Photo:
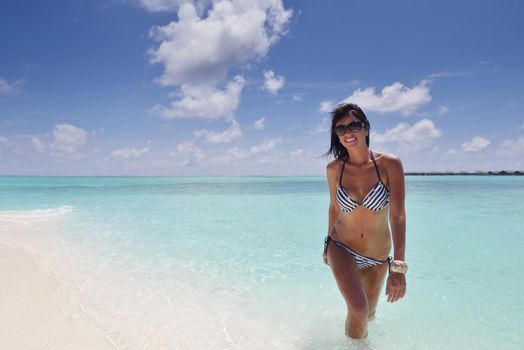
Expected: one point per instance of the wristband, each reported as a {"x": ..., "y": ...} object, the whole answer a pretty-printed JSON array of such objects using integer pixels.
[{"x": 398, "y": 266}]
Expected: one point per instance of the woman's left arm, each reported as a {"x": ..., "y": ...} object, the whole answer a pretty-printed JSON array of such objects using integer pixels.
[{"x": 396, "y": 284}]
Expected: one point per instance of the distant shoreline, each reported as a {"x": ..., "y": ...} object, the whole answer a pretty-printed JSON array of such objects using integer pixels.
[
  {"x": 409, "y": 173},
  {"x": 477, "y": 173}
]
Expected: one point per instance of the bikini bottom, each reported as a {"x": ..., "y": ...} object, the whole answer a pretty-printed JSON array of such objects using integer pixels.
[{"x": 361, "y": 260}]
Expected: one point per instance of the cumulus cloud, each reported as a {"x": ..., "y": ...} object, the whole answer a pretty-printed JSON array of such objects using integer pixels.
[
  {"x": 296, "y": 97},
  {"x": 323, "y": 127},
  {"x": 201, "y": 50},
  {"x": 513, "y": 147},
  {"x": 409, "y": 137},
  {"x": 131, "y": 152},
  {"x": 265, "y": 146},
  {"x": 4, "y": 141},
  {"x": 442, "y": 109},
  {"x": 168, "y": 5},
  {"x": 10, "y": 88},
  {"x": 272, "y": 83},
  {"x": 194, "y": 155},
  {"x": 259, "y": 124},
  {"x": 67, "y": 139},
  {"x": 228, "y": 135},
  {"x": 205, "y": 102},
  {"x": 38, "y": 144},
  {"x": 297, "y": 153},
  {"x": 395, "y": 98},
  {"x": 476, "y": 144},
  {"x": 326, "y": 107},
  {"x": 449, "y": 74},
  {"x": 232, "y": 155}
]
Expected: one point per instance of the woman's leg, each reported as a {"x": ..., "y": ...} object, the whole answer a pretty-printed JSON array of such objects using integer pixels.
[
  {"x": 348, "y": 280},
  {"x": 373, "y": 279}
]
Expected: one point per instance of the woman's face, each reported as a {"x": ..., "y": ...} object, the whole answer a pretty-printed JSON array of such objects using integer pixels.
[{"x": 352, "y": 139}]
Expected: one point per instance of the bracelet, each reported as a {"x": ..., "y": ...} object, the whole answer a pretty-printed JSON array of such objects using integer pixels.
[{"x": 398, "y": 266}]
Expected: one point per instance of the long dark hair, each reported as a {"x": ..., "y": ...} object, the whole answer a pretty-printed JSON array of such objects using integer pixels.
[{"x": 342, "y": 110}]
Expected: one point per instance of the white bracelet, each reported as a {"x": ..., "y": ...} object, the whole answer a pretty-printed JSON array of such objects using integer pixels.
[{"x": 398, "y": 266}]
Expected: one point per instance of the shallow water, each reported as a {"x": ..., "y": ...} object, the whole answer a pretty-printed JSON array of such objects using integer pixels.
[{"x": 235, "y": 262}]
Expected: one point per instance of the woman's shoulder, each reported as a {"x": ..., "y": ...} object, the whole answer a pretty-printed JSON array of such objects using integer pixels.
[
  {"x": 386, "y": 157},
  {"x": 333, "y": 167},
  {"x": 335, "y": 163},
  {"x": 388, "y": 160}
]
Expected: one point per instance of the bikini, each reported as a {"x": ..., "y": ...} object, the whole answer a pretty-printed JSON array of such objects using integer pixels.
[{"x": 376, "y": 200}]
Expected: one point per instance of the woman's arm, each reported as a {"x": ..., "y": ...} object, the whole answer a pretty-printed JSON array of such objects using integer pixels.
[
  {"x": 396, "y": 284},
  {"x": 332, "y": 171},
  {"x": 334, "y": 209},
  {"x": 397, "y": 212}
]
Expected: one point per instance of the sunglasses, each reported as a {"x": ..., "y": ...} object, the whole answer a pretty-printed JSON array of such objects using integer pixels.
[{"x": 355, "y": 126}]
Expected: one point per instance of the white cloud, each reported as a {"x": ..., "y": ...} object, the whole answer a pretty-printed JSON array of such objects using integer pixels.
[
  {"x": 512, "y": 147},
  {"x": 323, "y": 127},
  {"x": 326, "y": 107},
  {"x": 476, "y": 144},
  {"x": 232, "y": 155},
  {"x": 205, "y": 102},
  {"x": 442, "y": 109},
  {"x": 67, "y": 139},
  {"x": 395, "y": 98},
  {"x": 409, "y": 137},
  {"x": 449, "y": 74},
  {"x": 128, "y": 152},
  {"x": 265, "y": 146},
  {"x": 259, "y": 124},
  {"x": 297, "y": 97},
  {"x": 296, "y": 153},
  {"x": 228, "y": 135},
  {"x": 10, "y": 88},
  {"x": 38, "y": 144},
  {"x": 201, "y": 50},
  {"x": 167, "y": 5},
  {"x": 194, "y": 155},
  {"x": 4, "y": 141},
  {"x": 272, "y": 83}
]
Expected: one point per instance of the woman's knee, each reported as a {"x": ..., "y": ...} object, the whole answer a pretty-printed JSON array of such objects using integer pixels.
[{"x": 359, "y": 309}]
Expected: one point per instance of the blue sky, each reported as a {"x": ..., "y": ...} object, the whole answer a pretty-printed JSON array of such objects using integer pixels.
[{"x": 205, "y": 87}]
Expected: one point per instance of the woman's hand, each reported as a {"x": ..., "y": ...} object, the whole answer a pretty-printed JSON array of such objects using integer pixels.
[
  {"x": 324, "y": 256},
  {"x": 395, "y": 286}
]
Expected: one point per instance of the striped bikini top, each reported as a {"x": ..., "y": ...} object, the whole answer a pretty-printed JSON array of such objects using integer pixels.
[{"x": 375, "y": 200}]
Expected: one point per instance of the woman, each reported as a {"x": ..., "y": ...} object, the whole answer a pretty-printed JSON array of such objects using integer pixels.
[{"x": 363, "y": 185}]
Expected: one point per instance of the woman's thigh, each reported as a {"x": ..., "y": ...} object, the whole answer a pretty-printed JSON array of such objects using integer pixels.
[
  {"x": 347, "y": 276},
  {"x": 372, "y": 280}
]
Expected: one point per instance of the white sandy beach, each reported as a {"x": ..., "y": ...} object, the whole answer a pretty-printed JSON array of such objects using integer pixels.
[{"x": 28, "y": 317}]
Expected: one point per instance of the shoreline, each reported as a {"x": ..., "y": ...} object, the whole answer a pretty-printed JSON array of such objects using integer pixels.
[
  {"x": 29, "y": 318},
  {"x": 408, "y": 173}
]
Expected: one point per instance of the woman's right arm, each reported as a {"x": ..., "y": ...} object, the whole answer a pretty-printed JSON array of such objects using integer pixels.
[{"x": 332, "y": 172}]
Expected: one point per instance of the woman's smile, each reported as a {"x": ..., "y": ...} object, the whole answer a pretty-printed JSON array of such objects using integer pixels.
[{"x": 350, "y": 139}]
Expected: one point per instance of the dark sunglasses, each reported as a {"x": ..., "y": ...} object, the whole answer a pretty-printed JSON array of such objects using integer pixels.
[{"x": 355, "y": 126}]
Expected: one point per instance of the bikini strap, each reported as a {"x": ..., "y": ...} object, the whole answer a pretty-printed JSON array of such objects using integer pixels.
[
  {"x": 342, "y": 171},
  {"x": 376, "y": 167}
]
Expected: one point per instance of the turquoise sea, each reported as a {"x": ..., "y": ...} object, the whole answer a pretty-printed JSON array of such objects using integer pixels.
[{"x": 235, "y": 262}]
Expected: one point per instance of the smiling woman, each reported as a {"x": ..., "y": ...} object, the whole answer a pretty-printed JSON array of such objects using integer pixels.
[{"x": 358, "y": 219}]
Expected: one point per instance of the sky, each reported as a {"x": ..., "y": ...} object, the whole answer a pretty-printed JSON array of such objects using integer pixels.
[{"x": 245, "y": 87}]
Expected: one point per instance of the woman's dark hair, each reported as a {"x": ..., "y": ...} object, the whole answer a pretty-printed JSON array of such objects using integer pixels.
[{"x": 342, "y": 110}]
